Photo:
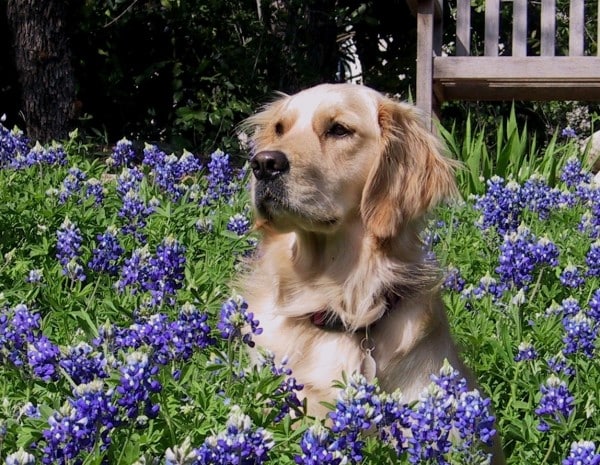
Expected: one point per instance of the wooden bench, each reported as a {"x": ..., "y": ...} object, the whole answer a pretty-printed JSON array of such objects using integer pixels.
[{"x": 539, "y": 75}]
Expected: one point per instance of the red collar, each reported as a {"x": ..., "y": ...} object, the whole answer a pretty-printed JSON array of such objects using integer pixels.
[{"x": 328, "y": 320}]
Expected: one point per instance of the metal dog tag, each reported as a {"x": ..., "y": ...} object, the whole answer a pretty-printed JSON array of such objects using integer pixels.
[{"x": 368, "y": 366}]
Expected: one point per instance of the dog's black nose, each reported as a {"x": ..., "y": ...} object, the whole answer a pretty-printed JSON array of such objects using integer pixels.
[{"x": 269, "y": 164}]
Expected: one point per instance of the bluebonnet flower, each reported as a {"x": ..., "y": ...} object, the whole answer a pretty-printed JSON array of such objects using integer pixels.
[
  {"x": 318, "y": 448},
  {"x": 95, "y": 189},
  {"x": 520, "y": 254},
  {"x": 167, "y": 267},
  {"x": 30, "y": 410},
  {"x": 570, "y": 307},
  {"x": 539, "y": 197},
  {"x": 33, "y": 157},
  {"x": 581, "y": 334},
  {"x": 167, "y": 177},
  {"x": 238, "y": 224},
  {"x": 518, "y": 298},
  {"x": 219, "y": 178},
  {"x": 161, "y": 274},
  {"x": 590, "y": 222},
  {"x": 19, "y": 327},
  {"x": 236, "y": 322},
  {"x": 129, "y": 180},
  {"x": 34, "y": 276},
  {"x": 582, "y": 453},
  {"x": 153, "y": 156},
  {"x": 568, "y": 132},
  {"x": 190, "y": 332},
  {"x": 587, "y": 192},
  {"x": 81, "y": 425},
  {"x": 170, "y": 172},
  {"x": 43, "y": 357},
  {"x": 573, "y": 173},
  {"x": 516, "y": 261},
  {"x": 594, "y": 310},
  {"x": 487, "y": 286},
  {"x": 453, "y": 280},
  {"x": 163, "y": 340},
  {"x": 83, "y": 364},
  {"x": 68, "y": 248},
  {"x": 559, "y": 365},
  {"x": 431, "y": 420},
  {"x": 285, "y": 396},
  {"x": 592, "y": 259},
  {"x": 134, "y": 212},
  {"x": 501, "y": 206},
  {"x": 545, "y": 252},
  {"x": 396, "y": 421},
  {"x": 122, "y": 154},
  {"x": 72, "y": 184},
  {"x": 556, "y": 402},
  {"x": 571, "y": 278},
  {"x": 53, "y": 155},
  {"x": 188, "y": 164},
  {"x": 107, "y": 253},
  {"x": 12, "y": 143},
  {"x": 526, "y": 351},
  {"x": 20, "y": 458},
  {"x": 38, "y": 155},
  {"x": 239, "y": 443},
  {"x": 136, "y": 386},
  {"x": 152, "y": 335},
  {"x": 473, "y": 421},
  {"x": 357, "y": 409},
  {"x": 447, "y": 405},
  {"x": 74, "y": 270},
  {"x": 135, "y": 271}
]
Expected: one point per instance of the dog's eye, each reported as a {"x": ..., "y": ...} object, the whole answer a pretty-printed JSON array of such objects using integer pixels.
[
  {"x": 279, "y": 129},
  {"x": 338, "y": 130}
]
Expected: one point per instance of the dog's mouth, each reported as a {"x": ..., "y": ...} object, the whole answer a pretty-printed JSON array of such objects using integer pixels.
[
  {"x": 270, "y": 198},
  {"x": 273, "y": 204}
]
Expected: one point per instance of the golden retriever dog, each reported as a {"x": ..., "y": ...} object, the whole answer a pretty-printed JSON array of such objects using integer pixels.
[{"x": 343, "y": 179}]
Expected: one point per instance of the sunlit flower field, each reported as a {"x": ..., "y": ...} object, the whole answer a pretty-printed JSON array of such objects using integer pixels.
[{"x": 123, "y": 341}]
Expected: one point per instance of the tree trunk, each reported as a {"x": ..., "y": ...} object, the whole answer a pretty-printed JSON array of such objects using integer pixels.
[{"x": 43, "y": 61}]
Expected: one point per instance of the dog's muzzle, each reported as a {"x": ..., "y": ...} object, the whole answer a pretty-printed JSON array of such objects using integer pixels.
[{"x": 268, "y": 167}]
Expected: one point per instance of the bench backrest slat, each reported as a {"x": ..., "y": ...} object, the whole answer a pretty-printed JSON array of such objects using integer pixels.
[
  {"x": 576, "y": 28},
  {"x": 463, "y": 28},
  {"x": 520, "y": 34},
  {"x": 519, "y": 47},
  {"x": 548, "y": 21},
  {"x": 492, "y": 27}
]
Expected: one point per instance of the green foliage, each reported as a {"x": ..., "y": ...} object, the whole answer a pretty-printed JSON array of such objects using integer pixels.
[
  {"x": 489, "y": 331},
  {"x": 198, "y": 394},
  {"x": 513, "y": 153}
]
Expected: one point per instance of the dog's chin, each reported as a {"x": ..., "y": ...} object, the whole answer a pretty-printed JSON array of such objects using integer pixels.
[{"x": 285, "y": 218}]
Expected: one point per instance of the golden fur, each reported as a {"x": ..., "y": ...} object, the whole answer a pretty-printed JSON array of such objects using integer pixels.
[{"x": 340, "y": 229}]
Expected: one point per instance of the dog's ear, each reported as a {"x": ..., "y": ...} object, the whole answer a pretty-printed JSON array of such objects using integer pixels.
[{"x": 410, "y": 176}]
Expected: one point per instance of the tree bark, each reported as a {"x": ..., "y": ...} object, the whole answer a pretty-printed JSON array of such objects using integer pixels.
[{"x": 43, "y": 61}]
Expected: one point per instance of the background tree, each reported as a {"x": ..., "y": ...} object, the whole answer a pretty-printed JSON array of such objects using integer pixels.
[
  {"x": 185, "y": 72},
  {"x": 43, "y": 63}
]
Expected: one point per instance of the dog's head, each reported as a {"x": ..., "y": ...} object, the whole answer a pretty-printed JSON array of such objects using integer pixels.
[{"x": 337, "y": 153}]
